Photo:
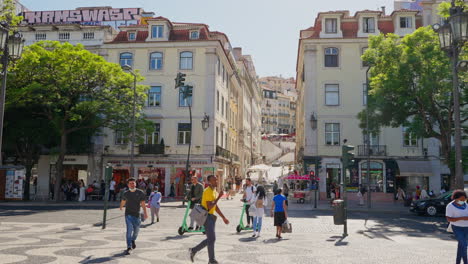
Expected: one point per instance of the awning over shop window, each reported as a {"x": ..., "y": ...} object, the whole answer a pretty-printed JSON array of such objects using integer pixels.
[{"x": 415, "y": 168}]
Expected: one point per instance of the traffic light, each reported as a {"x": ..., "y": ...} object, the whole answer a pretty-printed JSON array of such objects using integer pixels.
[
  {"x": 347, "y": 155},
  {"x": 180, "y": 79},
  {"x": 319, "y": 164},
  {"x": 188, "y": 91}
]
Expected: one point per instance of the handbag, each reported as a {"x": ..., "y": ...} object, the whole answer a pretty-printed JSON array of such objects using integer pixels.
[
  {"x": 199, "y": 214},
  {"x": 286, "y": 227},
  {"x": 252, "y": 209},
  {"x": 449, "y": 228}
]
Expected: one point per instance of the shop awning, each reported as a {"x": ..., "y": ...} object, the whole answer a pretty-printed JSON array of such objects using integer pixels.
[{"x": 410, "y": 168}]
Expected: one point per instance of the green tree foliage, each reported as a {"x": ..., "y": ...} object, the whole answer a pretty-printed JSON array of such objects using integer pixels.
[
  {"x": 75, "y": 90},
  {"x": 410, "y": 85},
  {"x": 8, "y": 13}
]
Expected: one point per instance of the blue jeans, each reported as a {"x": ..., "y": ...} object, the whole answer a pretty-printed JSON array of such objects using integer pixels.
[
  {"x": 461, "y": 234},
  {"x": 133, "y": 227},
  {"x": 257, "y": 223},
  {"x": 210, "y": 238}
]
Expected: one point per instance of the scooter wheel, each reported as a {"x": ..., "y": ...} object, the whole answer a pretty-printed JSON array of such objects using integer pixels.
[
  {"x": 238, "y": 229},
  {"x": 181, "y": 231}
]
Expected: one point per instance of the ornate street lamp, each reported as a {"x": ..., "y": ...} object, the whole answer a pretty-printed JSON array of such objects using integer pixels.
[
  {"x": 452, "y": 35},
  {"x": 12, "y": 48},
  {"x": 313, "y": 121},
  {"x": 205, "y": 122}
]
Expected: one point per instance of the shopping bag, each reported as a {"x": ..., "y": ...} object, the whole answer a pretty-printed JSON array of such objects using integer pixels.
[
  {"x": 449, "y": 228},
  {"x": 199, "y": 214},
  {"x": 252, "y": 209},
  {"x": 287, "y": 227}
]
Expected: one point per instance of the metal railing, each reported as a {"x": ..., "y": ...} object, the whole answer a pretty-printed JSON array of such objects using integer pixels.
[
  {"x": 374, "y": 150},
  {"x": 220, "y": 152}
]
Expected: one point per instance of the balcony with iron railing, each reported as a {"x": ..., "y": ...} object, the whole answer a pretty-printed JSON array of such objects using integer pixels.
[
  {"x": 151, "y": 149},
  {"x": 374, "y": 150},
  {"x": 220, "y": 152}
]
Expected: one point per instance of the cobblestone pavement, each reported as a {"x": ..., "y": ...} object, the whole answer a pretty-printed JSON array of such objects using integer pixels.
[{"x": 75, "y": 236}]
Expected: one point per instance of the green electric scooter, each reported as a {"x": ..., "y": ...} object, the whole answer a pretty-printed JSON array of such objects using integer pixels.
[
  {"x": 185, "y": 228},
  {"x": 241, "y": 226}
]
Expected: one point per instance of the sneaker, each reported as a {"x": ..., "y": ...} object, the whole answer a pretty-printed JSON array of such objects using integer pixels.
[
  {"x": 191, "y": 255},
  {"x": 213, "y": 262},
  {"x": 133, "y": 244},
  {"x": 157, "y": 219},
  {"x": 127, "y": 252}
]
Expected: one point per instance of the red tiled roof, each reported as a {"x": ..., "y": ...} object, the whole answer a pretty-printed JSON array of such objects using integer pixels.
[
  {"x": 386, "y": 27},
  {"x": 349, "y": 29},
  {"x": 123, "y": 37}
]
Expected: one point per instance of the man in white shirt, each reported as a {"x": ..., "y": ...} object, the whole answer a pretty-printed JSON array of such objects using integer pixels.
[
  {"x": 112, "y": 190},
  {"x": 249, "y": 194}
]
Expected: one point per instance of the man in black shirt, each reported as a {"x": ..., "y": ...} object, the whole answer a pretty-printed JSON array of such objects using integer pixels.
[{"x": 133, "y": 200}]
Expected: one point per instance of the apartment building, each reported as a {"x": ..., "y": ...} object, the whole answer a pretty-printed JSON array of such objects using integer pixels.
[
  {"x": 225, "y": 94},
  {"x": 331, "y": 86}
]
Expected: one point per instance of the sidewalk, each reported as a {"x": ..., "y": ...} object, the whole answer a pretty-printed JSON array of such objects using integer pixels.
[{"x": 352, "y": 206}]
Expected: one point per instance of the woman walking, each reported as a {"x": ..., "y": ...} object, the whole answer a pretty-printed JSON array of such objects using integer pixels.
[
  {"x": 82, "y": 196},
  {"x": 457, "y": 215},
  {"x": 260, "y": 203},
  {"x": 278, "y": 211},
  {"x": 155, "y": 204}
]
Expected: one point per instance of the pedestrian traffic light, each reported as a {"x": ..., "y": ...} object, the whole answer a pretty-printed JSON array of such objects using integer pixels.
[
  {"x": 347, "y": 155},
  {"x": 180, "y": 79}
]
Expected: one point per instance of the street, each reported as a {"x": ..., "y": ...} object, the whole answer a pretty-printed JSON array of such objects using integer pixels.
[{"x": 56, "y": 234}]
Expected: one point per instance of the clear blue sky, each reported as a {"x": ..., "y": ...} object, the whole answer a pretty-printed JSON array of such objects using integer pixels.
[{"x": 266, "y": 29}]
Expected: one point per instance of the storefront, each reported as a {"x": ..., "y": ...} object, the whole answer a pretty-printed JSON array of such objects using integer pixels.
[{"x": 414, "y": 173}]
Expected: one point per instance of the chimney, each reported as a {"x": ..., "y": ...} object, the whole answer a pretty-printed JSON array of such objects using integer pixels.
[
  {"x": 237, "y": 52},
  {"x": 383, "y": 10}
]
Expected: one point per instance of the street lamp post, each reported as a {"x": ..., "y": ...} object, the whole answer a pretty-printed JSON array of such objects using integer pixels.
[
  {"x": 12, "y": 48},
  {"x": 132, "y": 139},
  {"x": 367, "y": 141},
  {"x": 452, "y": 36}
]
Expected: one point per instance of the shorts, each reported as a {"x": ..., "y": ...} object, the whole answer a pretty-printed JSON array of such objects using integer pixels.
[{"x": 279, "y": 218}]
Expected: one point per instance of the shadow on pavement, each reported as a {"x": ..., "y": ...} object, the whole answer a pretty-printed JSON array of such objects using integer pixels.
[
  {"x": 274, "y": 240},
  {"x": 173, "y": 238},
  {"x": 247, "y": 239},
  {"x": 89, "y": 259}
]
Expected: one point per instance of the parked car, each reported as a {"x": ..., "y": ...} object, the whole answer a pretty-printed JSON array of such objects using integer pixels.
[{"x": 432, "y": 206}]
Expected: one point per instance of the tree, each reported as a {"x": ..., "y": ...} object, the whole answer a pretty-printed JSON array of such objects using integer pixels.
[
  {"x": 75, "y": 90},
  {"x": 410, "y": 86}
]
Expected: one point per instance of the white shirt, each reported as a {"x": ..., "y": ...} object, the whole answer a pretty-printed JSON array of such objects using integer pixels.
[
  {"x": 249, "y": 193},
  {"x": 112, "y": 185},
  {"x": 455, "y": 212}
]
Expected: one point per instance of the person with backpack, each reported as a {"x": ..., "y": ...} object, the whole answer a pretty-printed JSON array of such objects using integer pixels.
[
  {"x": 210, "y": 200},
  {"x": 260, "y": 203},
  {"x": 249, "y": 195},
  {"x": 194, "y": 196}
]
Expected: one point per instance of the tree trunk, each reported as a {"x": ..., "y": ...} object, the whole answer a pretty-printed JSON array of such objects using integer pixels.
[
  {"x": 59, "y": 167},
  {"x": 27, "y": 181}
]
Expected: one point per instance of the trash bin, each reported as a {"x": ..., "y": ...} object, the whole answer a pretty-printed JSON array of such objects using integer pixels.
[{"x": 338, "y": 212}]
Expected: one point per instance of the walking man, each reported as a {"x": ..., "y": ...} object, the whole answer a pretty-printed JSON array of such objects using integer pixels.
[
  {"x": 210, "y": 199},
  {"x": 194, "y": 196},
  {"x": 249, "y": 194},
  {"x": 133, "y": 200}
]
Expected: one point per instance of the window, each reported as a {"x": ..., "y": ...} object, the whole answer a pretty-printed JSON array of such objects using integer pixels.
[
  {"x": 364, "y": 94},
  {"x": 157, "y": 31},
  {"x": 186, "y": 60},
  {"x": 409, "y": 138},
  {"x": 217, "y": 101},
  {"x": 406, "y": 22},
  {"x": 41, "y": 36},
  {"x": 331, "y": 25},
  {"x": 88, "y": 35},
  {"x": 374, "y": 139},
  {"x": 227, "y": 109},
  {"x": 223, "y": 73},
  {"x": 222, "y": 105},
  {"x": 184, "y": 133},
  {"x": 154, "y": 137},
  {"x": 194, "y": 35},
  {"x": 120, "y": 138},
  {"x": 332, "y": 94},
  {"x": 185, "y": 101},
  {"x": 225, "y": 140},
  {"x": 64, "y": 36},
  {"x": 368, "y": 25},
  {"x": 364, "y": 63},
  {"x": 221, "y": 141},
  {"x": 217, "y": 136},
  {"x": 126, "y": 58},
  {"x": 132, "y": 36},
  {"x": 154, "y": 96},
  {"x": 331, "y": 57},
  {"x": 332, "y": 134},
  {"x": 156, "y": 61}
]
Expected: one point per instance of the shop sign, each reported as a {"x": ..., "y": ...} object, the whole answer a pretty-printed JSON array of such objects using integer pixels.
[
  {"x": 94, "y": 15},
  {"x": 159, "y": 162}
]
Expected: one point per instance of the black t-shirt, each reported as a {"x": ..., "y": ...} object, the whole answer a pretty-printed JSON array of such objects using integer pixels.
[{"x": 132, "y": 206}]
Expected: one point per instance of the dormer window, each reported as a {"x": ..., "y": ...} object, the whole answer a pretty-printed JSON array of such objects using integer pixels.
[
  {"x": 132, "y": 36},
  {"x": 331, "y": 25},
  {"x": 194, "y": 34},
  {"x": 157, "y": 31},
  {"x": 368, "y": 25},
  {"x": 406, "y": 22}
]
